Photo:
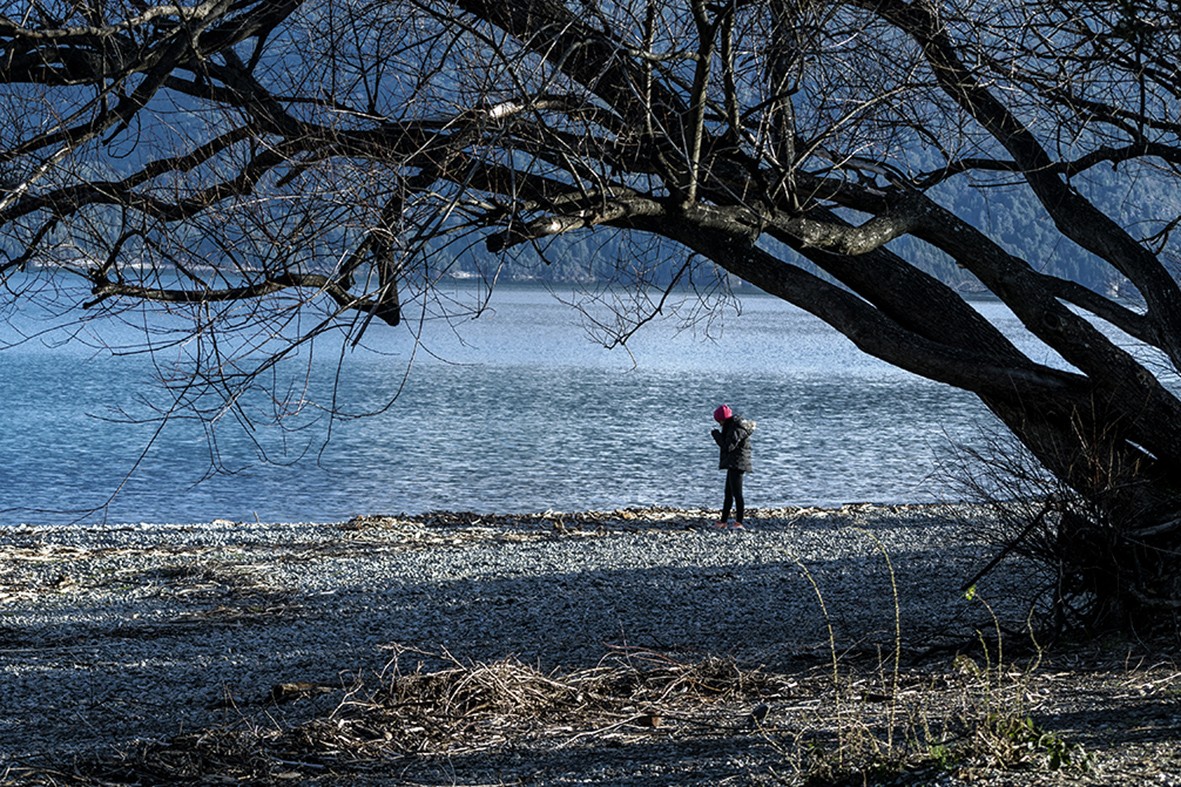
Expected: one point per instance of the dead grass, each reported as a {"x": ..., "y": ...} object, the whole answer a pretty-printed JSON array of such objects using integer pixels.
[{"x": 972, "y": 721}]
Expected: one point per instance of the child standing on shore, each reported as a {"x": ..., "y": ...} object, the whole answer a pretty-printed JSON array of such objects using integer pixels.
[{"x": 733, "y": 439}]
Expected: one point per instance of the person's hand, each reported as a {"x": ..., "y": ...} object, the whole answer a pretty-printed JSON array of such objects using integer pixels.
[{"x": 715, "y": 433}]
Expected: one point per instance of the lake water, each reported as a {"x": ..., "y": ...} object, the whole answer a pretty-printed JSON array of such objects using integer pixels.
[{"x": 516, "y": 411}]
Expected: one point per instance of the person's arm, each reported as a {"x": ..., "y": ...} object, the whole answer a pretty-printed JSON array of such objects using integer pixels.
[{"x": 740, "y": 432}]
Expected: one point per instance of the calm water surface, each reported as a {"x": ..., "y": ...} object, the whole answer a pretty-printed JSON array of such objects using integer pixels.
[{"x": 516, "y": 411}]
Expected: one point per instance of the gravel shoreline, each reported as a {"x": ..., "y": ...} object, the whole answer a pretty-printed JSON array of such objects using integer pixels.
[{"x": 116, "y": 634}]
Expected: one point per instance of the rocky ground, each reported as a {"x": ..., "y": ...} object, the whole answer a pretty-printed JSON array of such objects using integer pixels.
[{"x": 629, "y": 647}]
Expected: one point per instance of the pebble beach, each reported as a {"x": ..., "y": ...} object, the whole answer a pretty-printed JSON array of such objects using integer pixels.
[{"x": 112, "y": 635}]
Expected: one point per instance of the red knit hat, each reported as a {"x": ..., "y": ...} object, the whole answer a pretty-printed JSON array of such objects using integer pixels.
[{"x": 722, "y": 413}]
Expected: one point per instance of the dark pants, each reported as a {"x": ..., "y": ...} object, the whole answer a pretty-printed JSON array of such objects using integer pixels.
[{"x": 733, "y": 495}]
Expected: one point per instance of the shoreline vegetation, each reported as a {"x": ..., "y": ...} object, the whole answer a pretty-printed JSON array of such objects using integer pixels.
[{"x": 822, "y": 646}]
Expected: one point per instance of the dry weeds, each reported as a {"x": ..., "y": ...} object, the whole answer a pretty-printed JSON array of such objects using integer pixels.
[{"x": 506, "y": 722}]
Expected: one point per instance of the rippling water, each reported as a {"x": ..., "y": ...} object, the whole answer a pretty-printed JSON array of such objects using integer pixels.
[{"x": 522, "y": 412}]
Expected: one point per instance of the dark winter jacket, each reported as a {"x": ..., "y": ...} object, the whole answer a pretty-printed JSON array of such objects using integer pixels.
[{"x": 734, "y": 442}]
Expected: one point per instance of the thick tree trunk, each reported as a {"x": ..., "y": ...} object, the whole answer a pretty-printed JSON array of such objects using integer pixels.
[{"x": 1116, "y": 555}]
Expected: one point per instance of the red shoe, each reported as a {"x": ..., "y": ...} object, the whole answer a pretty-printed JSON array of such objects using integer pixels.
[
  {"x": 720, "y": 525},
  {"x": 738, "y": 526}
]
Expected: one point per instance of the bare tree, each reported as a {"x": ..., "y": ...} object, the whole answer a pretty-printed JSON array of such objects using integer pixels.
[{"x": 252, "y": 160}]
